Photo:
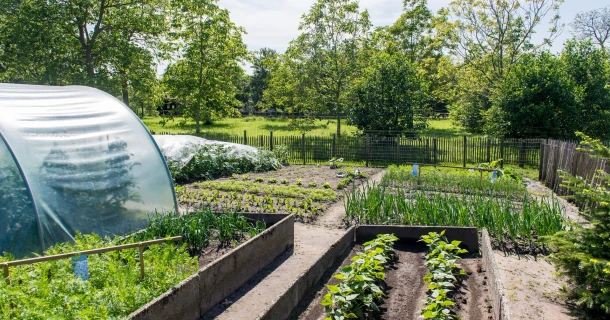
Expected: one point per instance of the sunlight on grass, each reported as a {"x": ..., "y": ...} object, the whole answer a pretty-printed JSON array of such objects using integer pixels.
[{"x": 253, "y": 126}]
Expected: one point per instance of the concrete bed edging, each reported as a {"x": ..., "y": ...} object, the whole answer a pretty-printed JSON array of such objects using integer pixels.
[
  {"x": 281, "y": 308},
  {"x": 217, "y": 280},
  {"x": 499, "y": 302},
  {"x": 284, "y": 304}
]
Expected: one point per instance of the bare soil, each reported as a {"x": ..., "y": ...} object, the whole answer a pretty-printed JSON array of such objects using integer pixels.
[
  {"x": 533, "y": 291},
  {"x": 405, "y": 288}
]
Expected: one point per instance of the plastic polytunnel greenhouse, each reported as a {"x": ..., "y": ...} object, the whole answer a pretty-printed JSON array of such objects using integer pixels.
[{"x": 74, "y": 159}]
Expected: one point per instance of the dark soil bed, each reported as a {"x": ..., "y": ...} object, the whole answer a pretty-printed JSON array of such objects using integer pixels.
[{"x": 406, "y": 289}]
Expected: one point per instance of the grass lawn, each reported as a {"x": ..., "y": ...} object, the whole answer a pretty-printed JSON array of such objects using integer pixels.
[
  {"x": 253, "y": 126},
  {"x": 283, "y": 127}
]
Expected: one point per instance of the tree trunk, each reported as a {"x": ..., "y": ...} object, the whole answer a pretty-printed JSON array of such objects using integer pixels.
[
  {"x": 338, "y": 124},
  {"x": 125, "y": 87}
]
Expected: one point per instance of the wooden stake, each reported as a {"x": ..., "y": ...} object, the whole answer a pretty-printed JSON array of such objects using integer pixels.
[
  {"x": 140, "y": 248},
  {"x": 6, "y": 273}
]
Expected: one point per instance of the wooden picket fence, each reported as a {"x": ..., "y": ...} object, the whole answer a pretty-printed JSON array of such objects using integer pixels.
[
  {"x": 563, "y": 156},
  {"x": 378, "y": 150}
]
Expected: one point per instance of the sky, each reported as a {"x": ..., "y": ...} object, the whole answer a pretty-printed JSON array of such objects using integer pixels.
[{"x": 274, "y": 23}]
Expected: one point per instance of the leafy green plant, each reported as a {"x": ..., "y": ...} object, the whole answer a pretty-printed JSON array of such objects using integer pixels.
[
  {"x": 272, "y": 180},
  {"x": 326, "y": 185},
  {"x": 245, "y": 177},
  {"x": 313, "y": 183},
  {"x": 359, "y": 290},
  {"x": 284, "y": 182},
  {"x": 282, "y": 153},
  {"x": 299, "y": 182},
  {"x": 441, "y": 261},
  {"x": 259, "y": 179},
  {"x": 344, "y": 183},
  {"x": 583, "y": 253},
  {"x": 335, "y": 163},
  {"x": 213, "y": 161}
]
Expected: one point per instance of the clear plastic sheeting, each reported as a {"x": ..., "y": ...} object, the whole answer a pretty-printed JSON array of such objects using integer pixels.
[
  {"x": 74, "y": 159},
  {"x": 181, "y": 149}
]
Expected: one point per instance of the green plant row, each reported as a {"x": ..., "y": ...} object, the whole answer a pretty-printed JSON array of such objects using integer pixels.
[
  {"x": 218, "y": 201},
  {"x": 115, "y": 289},
  {"x": 503, "y": 217},
  {"x": 457, "y": 181},
  {"x": 359, "y": 290},
  {"x": 213, "y": 161},
  {"x": 200, "y": 227},
  {"x": 317, "y": 194},
  {"x": 441, "y": 261}
]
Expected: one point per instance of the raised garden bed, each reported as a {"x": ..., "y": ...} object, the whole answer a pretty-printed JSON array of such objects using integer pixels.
[
  {"x": 218, "y": 279},
  {"x": 405, "y": 285},
  {"x": 305, "y": 191}
]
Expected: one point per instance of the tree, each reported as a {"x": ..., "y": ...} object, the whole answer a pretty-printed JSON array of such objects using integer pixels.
[
  {"x": 490, "y": 38},
  {"x": 413, "y": 32},
  {"x": 537, "y": 99},
  {"x": 324, "y": 58},
  {"x": 206, "y": 76},
  {"x": 390, "y": 95},
  {"x": 589, "y": 69},
  {"x": 593, "y": 25},
  {"x": 263, "y": 64},
  {"x": 107, "y": 44}
]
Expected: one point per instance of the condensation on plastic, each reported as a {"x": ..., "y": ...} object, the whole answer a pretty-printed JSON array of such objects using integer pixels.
[
  {"x": 89, "y": 165},
  {"x": 180, "y": 149}
]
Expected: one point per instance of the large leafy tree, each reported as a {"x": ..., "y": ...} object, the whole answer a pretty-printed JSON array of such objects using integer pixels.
[
  {"x": 323, "y": 62},
  {"x": 589, "y": 68},
  {"x": 536, "y": 99},
  {"x": 263, "y": 64},
  {"x": 490, "y": 37},
  {"x": 206, "y": 75},
  {"x": 390, "y": 95},
  {"x": 108, "y": 44}
]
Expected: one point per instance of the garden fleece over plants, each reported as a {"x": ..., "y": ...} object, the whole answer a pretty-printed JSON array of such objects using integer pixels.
[{"x": 74, "y": 159}]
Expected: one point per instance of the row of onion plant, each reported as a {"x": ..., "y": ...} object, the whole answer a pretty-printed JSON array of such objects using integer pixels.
[{"x": 503, "y": 217}]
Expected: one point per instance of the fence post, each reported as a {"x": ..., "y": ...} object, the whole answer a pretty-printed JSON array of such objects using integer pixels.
[
  {"x": 334, "y": 147},
  {"x": 488, "y": 150},
  {"x": 245, "y": 138},
  {"x": 465, "y": 150},
  {"x": 6, "y": 273},
  {"x": 502, "y": 153},
  {"x": 521, "y": 154},
  {"x": 271, "y": 140},
  {"x": 303, "y": 148},
  {"x": 367, "y": 149},
  {"x": 541, "y": 160},
  {"x": 435, "y": 148}
]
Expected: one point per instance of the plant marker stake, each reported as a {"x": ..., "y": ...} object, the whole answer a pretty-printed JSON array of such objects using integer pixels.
[
  {"x": 141, "y": 259},
  {"x": 6, "y": 274},
  {"x": 493, "y": 176}
]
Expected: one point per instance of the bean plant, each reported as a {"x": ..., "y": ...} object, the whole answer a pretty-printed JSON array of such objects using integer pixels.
[{"x": 359, "y": 291}]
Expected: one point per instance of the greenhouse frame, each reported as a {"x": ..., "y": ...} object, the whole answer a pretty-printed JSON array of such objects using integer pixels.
[{"x": 74, "y": 159}]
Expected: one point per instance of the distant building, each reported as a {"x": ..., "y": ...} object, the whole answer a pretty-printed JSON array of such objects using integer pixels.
[{"x": 170, "y": 107}]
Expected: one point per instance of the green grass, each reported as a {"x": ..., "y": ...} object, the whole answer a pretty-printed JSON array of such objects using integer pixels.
[{"x": 253, "y": 125}]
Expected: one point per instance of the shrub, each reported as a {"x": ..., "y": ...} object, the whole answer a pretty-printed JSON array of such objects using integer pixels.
[{"x": 583, "y": 253}]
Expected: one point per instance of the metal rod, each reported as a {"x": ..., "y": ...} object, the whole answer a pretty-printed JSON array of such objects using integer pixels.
[{"x": 93, "y": 251}]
